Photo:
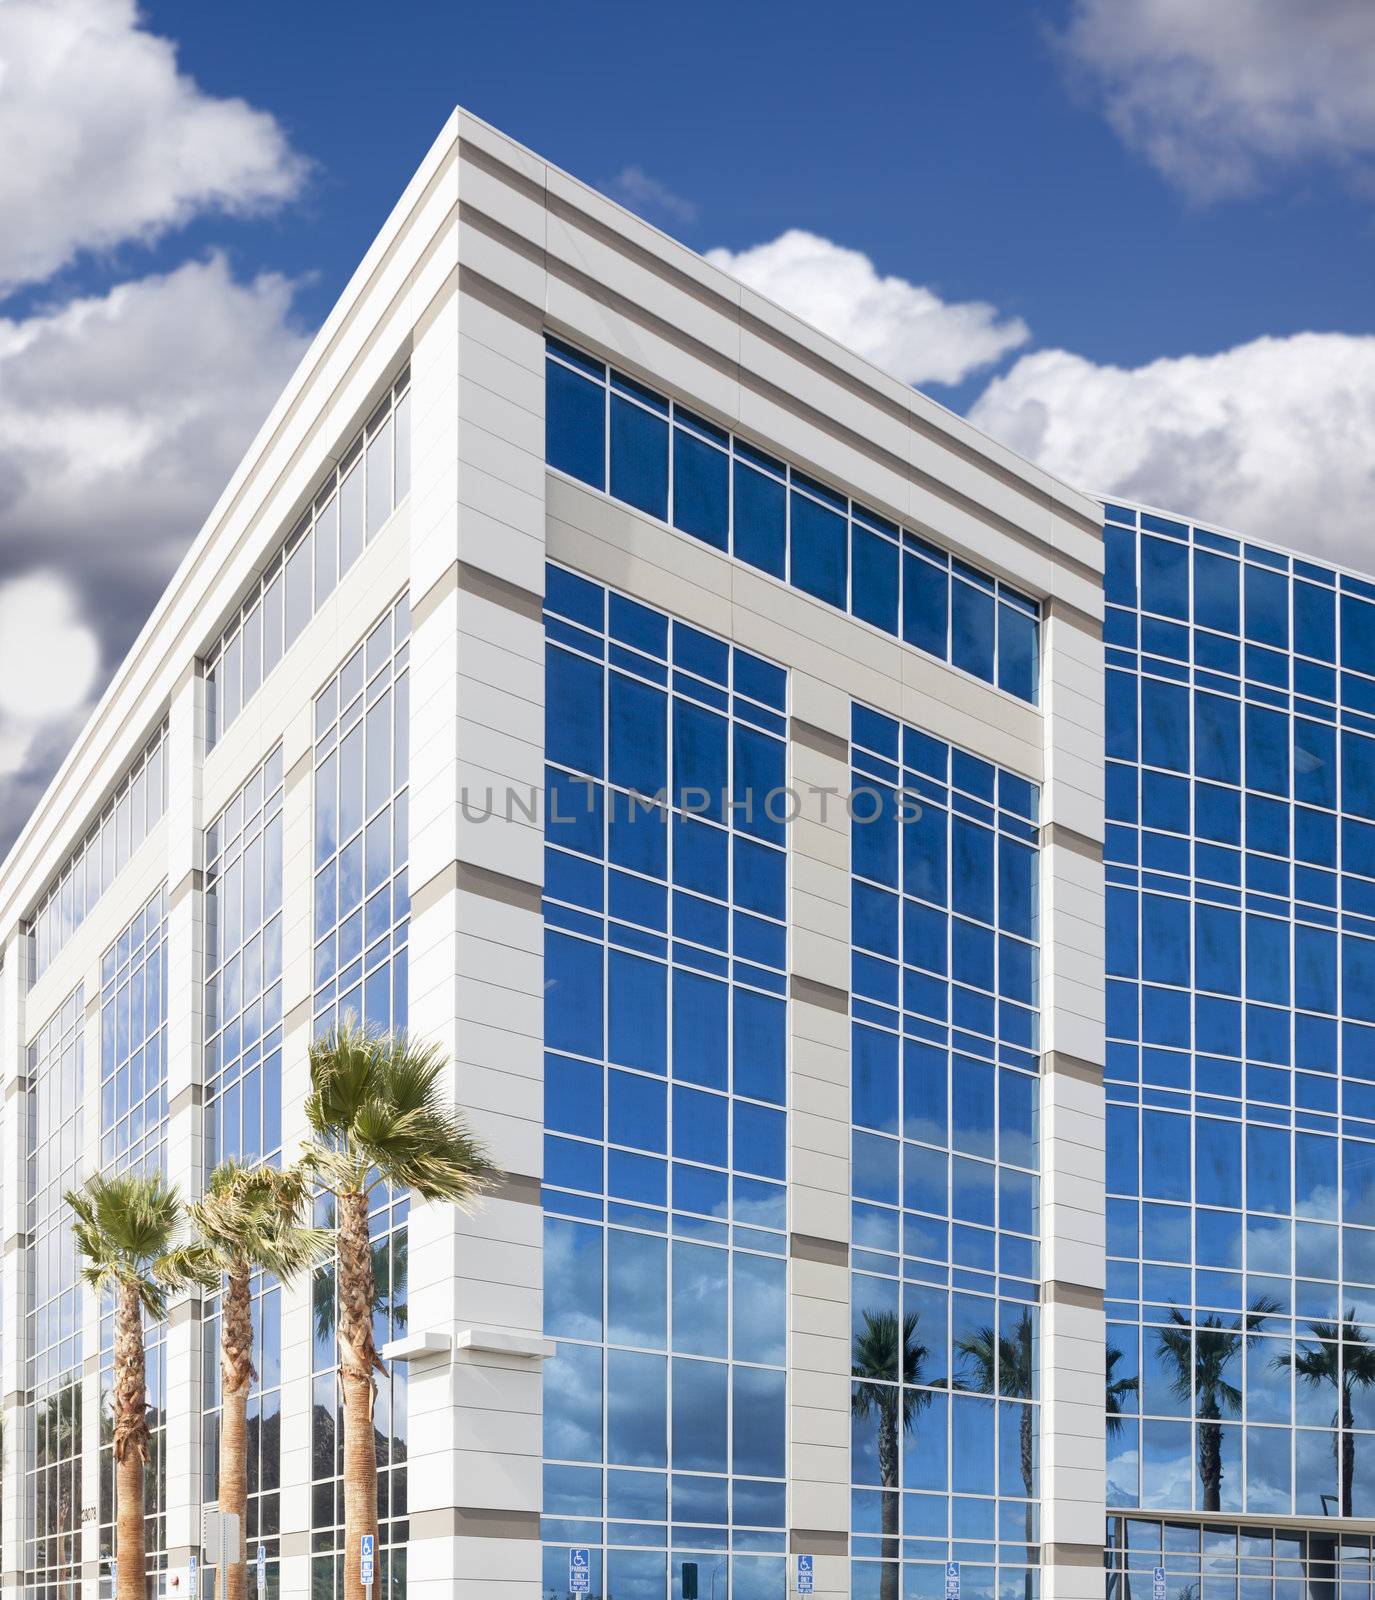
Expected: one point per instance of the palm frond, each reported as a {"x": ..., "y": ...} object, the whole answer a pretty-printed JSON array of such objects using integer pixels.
[{"x": 377, "y": 1114}]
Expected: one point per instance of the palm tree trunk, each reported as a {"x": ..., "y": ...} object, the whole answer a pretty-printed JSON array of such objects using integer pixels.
[
  {"x": 236, "y": 1378},
  {"x": 1348, "y": 1450},
  {"x": 357, "y": 1363},
  {"x": 891, "y": 1512},
  {"x": 1210, "y": 1460},
  {"x": 1028, "y": 1483},
  {"x": 130, "y": 1407}
]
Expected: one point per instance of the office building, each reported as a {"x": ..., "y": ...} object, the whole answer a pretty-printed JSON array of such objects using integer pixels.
[{"x": 701, "y": 736}]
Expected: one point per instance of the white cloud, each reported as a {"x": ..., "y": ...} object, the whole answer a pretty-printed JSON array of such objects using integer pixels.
[
  {"x": 636, "y": 188},
  {"x": 121, "y": 418},
  {"x": 1218, "y": 94},
  {"x": 1272, "y": 438},
  {"x": 48, "y": 654},
  {"x": 105, "y": 141},
  {"x": 903, "y": 327}
]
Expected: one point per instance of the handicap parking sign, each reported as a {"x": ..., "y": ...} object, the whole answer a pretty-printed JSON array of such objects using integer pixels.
[
  {"x": 579, "y": 1570},
  {"x": 952, "y": 1580},
  {"x": 805, "y": 1574}
]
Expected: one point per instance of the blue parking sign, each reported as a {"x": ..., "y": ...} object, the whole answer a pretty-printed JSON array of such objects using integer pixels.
[
  {"x": 806, "y": 1577},
  {"x": 952, "y": 1580},
  {"x": 580, "y": 1570},
  {"x": 1158, "y": 1584}
]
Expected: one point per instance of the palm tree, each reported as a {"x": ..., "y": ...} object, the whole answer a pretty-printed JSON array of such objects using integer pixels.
[
  {"x": 250, "y": 1219},
  {"x": 127, "y": 1228},
  {"x": 377, "y": 1117},
  {"x": 1004, "y": 1364},
  {"x": 879, "y": 1358},
  {"x": 1199, "y": 1354},
  {"x": 1115, "y": 1390},
  {"x": 1344, "y": 1358}
]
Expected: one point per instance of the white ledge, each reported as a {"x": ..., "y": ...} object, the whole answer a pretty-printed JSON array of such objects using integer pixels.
[
  {"x": 500, "y": 1342},
  {"x": 478, "y": 1341},
  {"x": 416, "y": 1347}
]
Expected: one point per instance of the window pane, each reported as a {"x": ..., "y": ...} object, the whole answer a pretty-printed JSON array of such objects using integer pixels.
[
  {"x": 971, "y": 630},
  {"x": 760, "y": 520},
  {"x": 379, "y": 478},
  {"x": 875, "y": 578},
  {"x": 639, "y": 457},
  {"x": 818, "y": 550},
  {"x": 575, "y": 425},
  {"x": 701, "y": 489}
]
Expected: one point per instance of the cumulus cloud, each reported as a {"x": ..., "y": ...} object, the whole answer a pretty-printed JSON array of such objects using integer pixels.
[
  {"x": 105, "y": 141},
  {"x": 1271, "y": 437},
  {"x": 1216, "y": 96},
  {"x": 121, "y": 418},
  {"x": 903, "y": 327},
  {"x": 636, "y": 188}
]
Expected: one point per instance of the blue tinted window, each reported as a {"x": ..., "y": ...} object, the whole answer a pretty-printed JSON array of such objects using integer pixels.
[
  {"x": 1017, "y": 664},
  {"x": 1215, "y": 592},
  {"x": 971, "y": 629},
  {"x": 761, "y": 514},
  {"x": 818, "y": 550},
  {"x": 875, "y": 578},
  {"x": 925, "y": 605},
  {"x": 1164, "y": 724},
  {"x": 1267, "y": 607},
  {"x": 1358, "y": 634},
  {"x": 1165, "y": 577},
  {"x": 1315, "y": 625},
  {"x": 701, "y": 489},
  {"x": 573, "y": 695},
  {"x": 639, "y": 457},
  {"x": 575, "y": 424}
]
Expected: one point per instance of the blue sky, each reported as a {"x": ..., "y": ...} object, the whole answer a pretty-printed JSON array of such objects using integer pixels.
[{"x": 1134, "y": 242}]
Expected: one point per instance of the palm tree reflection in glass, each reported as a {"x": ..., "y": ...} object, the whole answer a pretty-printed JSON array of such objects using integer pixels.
[
  {"x": 1342, "y": 1357},
  {"x": 1201, "y": 1357},
  {"x": 887, "y": 1360},
  {"x": 995, "y": 1363}
]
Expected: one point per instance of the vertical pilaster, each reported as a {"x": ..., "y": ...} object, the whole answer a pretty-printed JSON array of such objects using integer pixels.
[
  {"x": 1073, "y": 1470},
  {"x": 476, "y": 963},
  {"x": 88, "y": 1540},
  {"x": 185, "y": 1081},
  {"x": 14, "y": 1302},
  {"x": 819, "y": 1134},
  {"x": 297, "y": 998}
]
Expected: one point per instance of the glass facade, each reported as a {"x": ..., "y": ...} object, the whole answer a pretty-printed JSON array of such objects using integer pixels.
[
  {"x": 133, "y": 1137},
  {"x": 362, "y": 910},
  {"x": 945, "y": 1339},
  {"x": 652, "y": 453},
  {"x": 133, "y": 1044},
  {"x": 243, "y": 972},
  {"x": 665, "y": 1086},
  {"x": 1241, "y": 1020},
  {"x": 243, "y": 1107},
  {"x": 372, "y": 478},
  {"x": 1220, "y": 1561},
  {"x": 53, "y": 1364},
  {"x": 127, "y": 819}
]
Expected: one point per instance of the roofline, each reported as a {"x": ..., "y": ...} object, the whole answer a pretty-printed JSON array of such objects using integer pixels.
[
  {"x": 65, "y": 810},
  {"x": 1339, "y": 567}
]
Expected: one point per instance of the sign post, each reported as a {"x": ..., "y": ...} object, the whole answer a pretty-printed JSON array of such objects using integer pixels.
[
  {"x": 806, "y": 1574},
  {"x": 952, "y": 1580},
  {"x": 1158, "y": 1584},
  {"x": 365, "y": 1558},
  {"x": 580, "y": 1570}
]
